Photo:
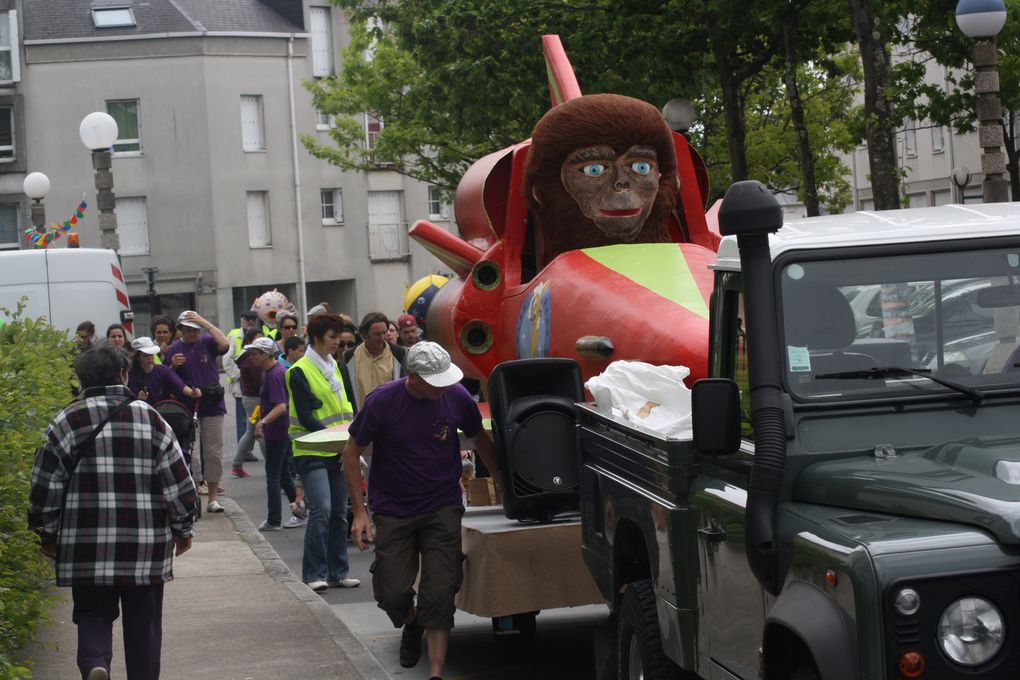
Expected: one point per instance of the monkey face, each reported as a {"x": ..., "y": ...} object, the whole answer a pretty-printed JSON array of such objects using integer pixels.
[{"x": 616, "y": 192}]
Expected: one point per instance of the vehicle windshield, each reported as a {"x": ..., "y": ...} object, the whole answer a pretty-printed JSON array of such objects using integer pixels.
[{"x": 951, "y": 315}]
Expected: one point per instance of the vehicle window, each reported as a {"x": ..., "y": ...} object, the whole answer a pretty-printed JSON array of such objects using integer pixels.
[
  {"x": 740, "y": 375},
  {"x": 954, "y": 315}
]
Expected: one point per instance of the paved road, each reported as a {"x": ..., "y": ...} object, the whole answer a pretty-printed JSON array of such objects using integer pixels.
[{"x": 563, "y": 649}]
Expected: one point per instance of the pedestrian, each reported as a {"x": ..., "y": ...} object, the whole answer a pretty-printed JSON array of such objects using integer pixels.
[
  {"x": 293, "y": 349},
  {"x": 408, "y": 328},
  {"x": 162, "y": 329},
  {"x": 194, "y": 359},
  {"x": 155, "y": 383},
  {"x": 84, "y": 335},
  {"x": 392, "y": 332},
  {"x": 317, "y": 400},
  {"x": 373, "y": 362},
  {"x": 250, "y": 380},
  {"x": 288, "y": 325},
  {"x": 348, "y": 340},
  {"x": 112, "y": 502},
  {"x": 272, "y": 429},
  {"x": 236, "y": 336},
  {"x": 116, "y": 336},
  {"x": 415, "y": 495}
]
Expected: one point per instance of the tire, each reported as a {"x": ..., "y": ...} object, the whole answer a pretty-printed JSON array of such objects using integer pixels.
[
  {"x": 805, "y": 673},
  {"x": 638, "y": 644}
]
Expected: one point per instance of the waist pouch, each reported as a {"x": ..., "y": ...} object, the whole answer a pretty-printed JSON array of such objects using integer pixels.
[{"x": 212, "y": 394}]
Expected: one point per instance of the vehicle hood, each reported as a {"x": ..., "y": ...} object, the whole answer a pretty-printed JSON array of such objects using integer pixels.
[{"x": 974, "y": 482}]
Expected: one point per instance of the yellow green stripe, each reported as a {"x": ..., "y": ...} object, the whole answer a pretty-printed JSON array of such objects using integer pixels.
[
  {"x": 659, "y": 267},
  {"x": 553, "y": 85}
]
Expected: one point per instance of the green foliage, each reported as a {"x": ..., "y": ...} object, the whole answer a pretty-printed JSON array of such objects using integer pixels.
[{"x": 35, "y": 380}]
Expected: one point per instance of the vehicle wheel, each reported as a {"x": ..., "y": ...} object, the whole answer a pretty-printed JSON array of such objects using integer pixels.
[
  {"x": 805, "y": 673},
  {"x": 638, "y": 645}
]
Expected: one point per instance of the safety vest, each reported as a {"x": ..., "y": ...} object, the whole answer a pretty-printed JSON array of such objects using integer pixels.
[
  {"x": 237, "y": 336},
  {"x": 331, "y": 412},
  {"x": 156, "y": 360}
]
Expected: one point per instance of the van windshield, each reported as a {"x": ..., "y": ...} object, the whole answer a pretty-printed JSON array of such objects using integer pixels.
[{"x": 954, "y": 315}]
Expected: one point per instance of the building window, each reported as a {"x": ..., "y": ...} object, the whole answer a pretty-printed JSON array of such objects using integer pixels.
[
  {"x": 910, "y": 139},
  {"x": 938, "y": 139},
  {"x": 112, "y": 17},
  {"x": 373, "y": 126},
  {"x": 917, "y": 200},
  {"x": 10, "y": 64},
  {"x": 6, "y": 133},
  {"x": 438, "y": 210},
  {"x": 259, "y": 233},
  {"x": 941, "y": 197},
  {"x": 332, "y": 201},
  {"x": 324, "y": 121},
  {"x": 129, "y": 129},
  {"x": 132, "y": 226},
  {"x": 322, "y": 42},
  {"x": 253, "y": 136},
  {"x": 9, "y": 225}
]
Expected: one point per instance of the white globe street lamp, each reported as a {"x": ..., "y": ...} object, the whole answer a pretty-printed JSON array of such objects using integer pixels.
[
  {"x": 36, "y": 186},
  {"x": 98, "y": 132},
  {"x": 982, "y": 20}
]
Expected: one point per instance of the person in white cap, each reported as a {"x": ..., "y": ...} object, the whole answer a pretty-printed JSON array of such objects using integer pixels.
[
  {"x": 415, "y": 495},
  {"x": 152, "y": 382},
  {"x": 193, "y": 357}
]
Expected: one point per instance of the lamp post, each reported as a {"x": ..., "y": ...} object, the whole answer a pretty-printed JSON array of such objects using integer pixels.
[
  {"x": 983, "y": 19},
  {"x": 98, "y": 132},
  {"x": 36, "y": 186}
]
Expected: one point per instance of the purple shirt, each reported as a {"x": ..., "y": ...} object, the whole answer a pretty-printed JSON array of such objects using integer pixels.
[
  {"x": 161, "y": 382},
  {"x": 416, "y": 463},
  {"x": 274, "y": 391},
  {"x": 200, "y": 370}
]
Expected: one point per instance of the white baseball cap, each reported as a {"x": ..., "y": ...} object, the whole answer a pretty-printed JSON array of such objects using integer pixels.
[
  {"x": 184, "y": 321},
  {"x": 430, "y": 361},
  {"x": 145, "y": 344},
  {"x": 266, "y": 345}
]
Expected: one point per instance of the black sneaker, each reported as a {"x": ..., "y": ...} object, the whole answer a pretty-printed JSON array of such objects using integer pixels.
[{"x": 410, "y": 645}]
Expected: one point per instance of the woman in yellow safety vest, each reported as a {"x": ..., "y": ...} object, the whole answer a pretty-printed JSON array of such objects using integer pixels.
[{"x": 318, "y": 400}]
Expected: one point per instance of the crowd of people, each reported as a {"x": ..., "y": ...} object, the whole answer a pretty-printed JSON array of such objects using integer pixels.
[{"x": 398, "y": 393}]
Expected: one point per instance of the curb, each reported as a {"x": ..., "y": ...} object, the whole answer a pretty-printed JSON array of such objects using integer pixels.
[{"x": 361, "y": 659}]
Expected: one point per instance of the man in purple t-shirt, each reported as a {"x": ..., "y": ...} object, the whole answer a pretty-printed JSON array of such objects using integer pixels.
[
  {"x": 272, "y": 427},
  {"x": 415, "y": 495},
  {"x": 194, "y": 359}
]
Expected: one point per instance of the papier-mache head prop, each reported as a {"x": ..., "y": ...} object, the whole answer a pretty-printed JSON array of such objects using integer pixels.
[
  {"x": 601, "y": 170},
  {"x": 269, "y": 306}
]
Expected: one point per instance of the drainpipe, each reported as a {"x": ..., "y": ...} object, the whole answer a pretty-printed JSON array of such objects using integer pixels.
[
  {"x": 751, "y": 213},
  {"x": 302, "y": 298}
]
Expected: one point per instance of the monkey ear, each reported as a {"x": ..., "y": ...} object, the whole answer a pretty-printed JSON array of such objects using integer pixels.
[{"x": 534, "y": 194}]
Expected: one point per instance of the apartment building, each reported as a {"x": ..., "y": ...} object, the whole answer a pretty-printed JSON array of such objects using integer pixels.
[{"x": 213, "y": 188}]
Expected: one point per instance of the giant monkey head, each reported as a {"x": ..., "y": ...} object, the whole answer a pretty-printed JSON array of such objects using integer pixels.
[{"x": 601, "y": 170}]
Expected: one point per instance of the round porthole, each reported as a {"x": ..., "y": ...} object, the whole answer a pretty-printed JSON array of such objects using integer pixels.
[
  {"x": 486, "y": 275},
  {"x": 476, "y": 337}
]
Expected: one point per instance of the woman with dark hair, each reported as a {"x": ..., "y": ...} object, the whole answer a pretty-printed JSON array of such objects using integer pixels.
[
  {"x": 155, "y": 383},
  {"x": 163, "y": 329},
  {"x": 392, "y": 332},
  {"x": 117, "y": 336},
  {"x": 317, "y": 401}
]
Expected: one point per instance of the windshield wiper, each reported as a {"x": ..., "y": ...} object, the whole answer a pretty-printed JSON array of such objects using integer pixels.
[{"x": 977, "y": 396}]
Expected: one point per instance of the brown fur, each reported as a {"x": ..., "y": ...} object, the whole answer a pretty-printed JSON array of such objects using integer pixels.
[{"x": 616, "y": 121}]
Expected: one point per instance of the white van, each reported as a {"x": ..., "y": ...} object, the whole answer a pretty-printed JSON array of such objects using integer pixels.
[{"x": 67, "y": 286}]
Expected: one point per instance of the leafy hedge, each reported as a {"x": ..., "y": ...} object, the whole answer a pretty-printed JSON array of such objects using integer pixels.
[{"x": 35, "y": 381}]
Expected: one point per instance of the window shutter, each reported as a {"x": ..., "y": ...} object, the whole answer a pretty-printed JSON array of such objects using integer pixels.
[
  {"x": 133, "y": 226},
  {"x": 322, "y": 42}
]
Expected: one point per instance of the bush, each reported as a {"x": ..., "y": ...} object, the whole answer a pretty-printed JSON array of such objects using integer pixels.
[{"x": 35, "y": 381}]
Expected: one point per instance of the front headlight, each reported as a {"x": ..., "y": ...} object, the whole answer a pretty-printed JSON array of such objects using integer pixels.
[{"x": 971, "y": 631}]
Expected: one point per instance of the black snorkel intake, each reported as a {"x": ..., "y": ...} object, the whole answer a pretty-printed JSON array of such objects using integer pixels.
[{"x": 751, "y": 213}]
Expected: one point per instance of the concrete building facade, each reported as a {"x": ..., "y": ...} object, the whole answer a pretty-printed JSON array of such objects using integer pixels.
[{"x": 213, "y": 188}]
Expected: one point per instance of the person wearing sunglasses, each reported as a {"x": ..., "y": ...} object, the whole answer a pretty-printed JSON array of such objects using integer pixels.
[{"x": 288, "y": 325}]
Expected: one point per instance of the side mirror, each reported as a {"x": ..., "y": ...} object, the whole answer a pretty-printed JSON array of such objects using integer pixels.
[{"x": 716, "y": 416}]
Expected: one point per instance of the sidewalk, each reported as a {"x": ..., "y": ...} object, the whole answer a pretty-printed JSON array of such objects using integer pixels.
[{"x": 234, "y": 611}]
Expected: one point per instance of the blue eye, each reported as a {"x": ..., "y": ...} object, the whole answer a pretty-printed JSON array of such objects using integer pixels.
[
  {"x": 642, "y": 167},
  {"x": 593, "y": 169}
]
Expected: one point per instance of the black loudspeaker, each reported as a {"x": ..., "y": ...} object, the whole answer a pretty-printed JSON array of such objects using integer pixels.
[{"x": 533, "y": 425}]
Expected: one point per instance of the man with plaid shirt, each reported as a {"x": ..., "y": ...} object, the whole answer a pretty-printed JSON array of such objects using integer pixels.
[{"x": 111, "y": 510}]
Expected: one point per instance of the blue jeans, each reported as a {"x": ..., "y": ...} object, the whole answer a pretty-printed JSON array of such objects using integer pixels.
[
  {"x": 325, "y": 556},
  {"x": 240, "y": 418},
  {"x": 276, "y": 452}
]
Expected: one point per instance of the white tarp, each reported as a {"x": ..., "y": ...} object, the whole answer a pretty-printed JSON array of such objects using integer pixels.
[{"x": 654, "y": 397}]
